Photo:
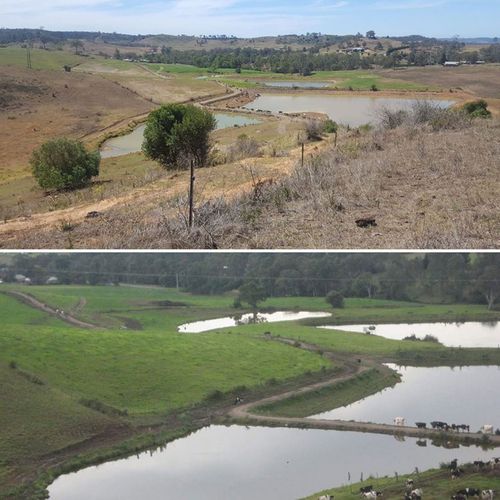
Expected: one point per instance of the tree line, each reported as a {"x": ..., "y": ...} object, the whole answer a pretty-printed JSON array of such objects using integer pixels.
[{"x": 435, "y": 278}]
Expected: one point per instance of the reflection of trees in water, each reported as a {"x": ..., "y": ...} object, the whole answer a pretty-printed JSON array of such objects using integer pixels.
[{"x": 255, "y": 318}]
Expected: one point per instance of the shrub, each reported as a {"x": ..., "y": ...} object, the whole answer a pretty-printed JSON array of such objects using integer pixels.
[
  {"x": 330, "y": 127},
  {"x": 314, "y": 130},
  {"x": 13, "y": 365},
  {"x": 64, "y": 164},
  {"x": 244, "y": 147},
  {"x": 374, "y": 88},
  {"x": 477, "y": 109},
  {"x": 335, "y": 299}
]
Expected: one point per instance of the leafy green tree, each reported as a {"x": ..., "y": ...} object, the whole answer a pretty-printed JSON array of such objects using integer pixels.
[
  {"x": 64, "y": 164},
  {"x": 177, "y": 134},
  {"x": 332, "y": 127},
  {"x": 335, "y": 299},
  {"x": 252, "y": 292}
]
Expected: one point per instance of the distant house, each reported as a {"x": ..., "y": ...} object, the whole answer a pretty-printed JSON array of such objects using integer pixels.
[{"x": 452, "y": 64}]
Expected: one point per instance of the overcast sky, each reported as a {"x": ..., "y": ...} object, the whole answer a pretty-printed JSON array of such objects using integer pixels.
[{"x": 440, "y": 18}]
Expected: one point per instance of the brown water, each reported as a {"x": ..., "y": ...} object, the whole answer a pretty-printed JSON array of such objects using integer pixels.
[
  {"x": 353, "y": 111},
  {"x": 132, "y": 142}
]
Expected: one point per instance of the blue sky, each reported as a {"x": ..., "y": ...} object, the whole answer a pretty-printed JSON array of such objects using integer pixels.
[{"x": 441, "y": 18}]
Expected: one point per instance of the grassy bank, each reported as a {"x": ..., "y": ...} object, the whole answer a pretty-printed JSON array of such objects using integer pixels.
[
  {"x": 334, "y": 396},
  {"x": 436, "y": 484}
]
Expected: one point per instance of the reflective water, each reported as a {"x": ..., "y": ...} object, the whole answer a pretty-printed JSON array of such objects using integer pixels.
[
  {"x": 254, "y": 463},
  {"x": 132, "y": 142},
  {"x": 243, "y": 319},
  {"x": 353, "y": 111},
  {"x": 461, "y": 396},
  {"x": 297, "y": 85},
  {"x": 470, "y": 334}
]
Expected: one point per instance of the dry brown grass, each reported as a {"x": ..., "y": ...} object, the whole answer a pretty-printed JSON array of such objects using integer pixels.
[
  {"x": 58, "y": 104},
  {"x": 425, "y": 188}
]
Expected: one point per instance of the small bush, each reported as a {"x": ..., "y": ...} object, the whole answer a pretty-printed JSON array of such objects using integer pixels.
[
  {"x": 244, "y": 147},
  {"x": 330, "y": 127},
  {"x": 13, "y": 365},
  {"x": 314, "y": 130},
  {"x": 335, "y": 299},
  {"x": 477, "y": 109},
  {"x": 374, "y": 88},
  {"x": 64, "y": 164}
]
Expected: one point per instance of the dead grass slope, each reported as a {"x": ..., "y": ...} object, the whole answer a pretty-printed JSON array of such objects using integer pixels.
[{"x": 39, "y": 105}]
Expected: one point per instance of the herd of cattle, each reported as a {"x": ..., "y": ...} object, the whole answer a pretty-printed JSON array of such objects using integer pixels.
[
  {"x": 416, "y": 493},
  {"x": 444, "y": 426}
]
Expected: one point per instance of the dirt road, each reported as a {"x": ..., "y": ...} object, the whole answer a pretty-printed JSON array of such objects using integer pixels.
[{"x": 62, "y": 315}]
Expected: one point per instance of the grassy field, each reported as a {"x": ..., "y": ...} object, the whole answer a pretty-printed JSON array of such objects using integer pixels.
[
  {"x": 48, "y": 369},
  {"x": 40, "y": 59},
  {"x": 334, "y": 396},
  {"x": 436, "y": 484}
]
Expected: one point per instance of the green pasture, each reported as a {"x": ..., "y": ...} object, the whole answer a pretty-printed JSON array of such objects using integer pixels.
[
  {"x": 40, "y": 59},
  {"x": 435, "y": 483}
]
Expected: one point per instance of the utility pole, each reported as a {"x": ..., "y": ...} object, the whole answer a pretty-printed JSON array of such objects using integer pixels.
[
  {"x": 302, "y": 159},
  {"x": 177, "y": 281},
  {"x": 191, "y": 195},
  {"x": 28, "y": 55}
]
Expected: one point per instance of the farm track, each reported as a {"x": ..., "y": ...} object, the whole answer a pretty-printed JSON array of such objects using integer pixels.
[
  {"x": 29, "y": 300},
  {"x": 244, "y": 413}
]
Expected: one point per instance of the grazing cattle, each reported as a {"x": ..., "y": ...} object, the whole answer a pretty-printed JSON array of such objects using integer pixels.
[
  {"x": 416, "y": 494},
  {"x": 487, "y": 494},
  {"x": 372, "y": 494},
  {"x": 456, "y": 473},
  {"x": 238, "y": 400},
  {"x": 486, "y": 429},
  {"x": 454, "y": 464},
  {"x": 494, "y": 463},
  {"x": 326, "y": 497},
  {"x": 479, "y": 464},
  {"x": 409, "y": 483},
  {"x": 366, "y": 489},
  {"x": 399, "y": 421},
  {"x": 439, "y": 425},
  {"x": 469, "y": 492},
  {"x": 421, "y": 425}
]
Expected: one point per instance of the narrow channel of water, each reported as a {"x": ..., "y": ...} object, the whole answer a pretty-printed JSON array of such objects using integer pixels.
[
  {"x": 469, "y": 334},
  {"x": 245, "y": 319},
  {"x": 249, "y": 463},
  {"x": 467, "y": 395},
  {"x": 353, "y": 111},
  {"x": 132, "y": 142},
  {"x": 296, "y": 85}
]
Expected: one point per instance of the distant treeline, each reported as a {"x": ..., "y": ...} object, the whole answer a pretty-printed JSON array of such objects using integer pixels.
[
  {"x": 23, "y": 35},
  {"x": 309, "y": 60},
  {"x": 472, "y": 278}
]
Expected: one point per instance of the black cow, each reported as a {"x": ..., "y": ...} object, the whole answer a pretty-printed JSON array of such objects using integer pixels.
[
  {"x": 456, "y": 473},
  {"x": 366, "y": 489},
  {"x": 454, "y": 464},
  {"x": 421, "y": 425}
]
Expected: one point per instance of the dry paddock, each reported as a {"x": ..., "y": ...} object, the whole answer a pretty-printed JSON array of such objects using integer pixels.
[{"x": 424, "y": 188}]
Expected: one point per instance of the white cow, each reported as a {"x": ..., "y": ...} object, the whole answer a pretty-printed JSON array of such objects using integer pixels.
[
  {"x": 487, "y": 495},
  {"x": 399, "y": 421},
  {"x": 486, "y": 429},
  {"x": 325, "y": 497}
]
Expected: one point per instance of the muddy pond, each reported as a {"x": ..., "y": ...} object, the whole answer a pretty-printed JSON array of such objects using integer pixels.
[
  {"x": 132, "y": 142},
  {"x": 245, "y": 319},
  {"x": 427, "y": 394},
  {"x": 469, "y": 334},
  {"x": 296, "y": 85},
  {"x": 353, "y": 111},
  {"x": 256, "y": 462}
]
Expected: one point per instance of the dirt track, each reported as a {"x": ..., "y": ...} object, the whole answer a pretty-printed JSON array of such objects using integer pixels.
[
  {"x": 62, "y": 315},
  {"x": 244, "y": 412}
]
